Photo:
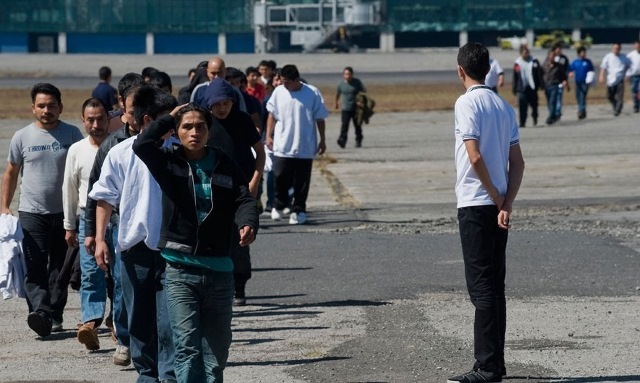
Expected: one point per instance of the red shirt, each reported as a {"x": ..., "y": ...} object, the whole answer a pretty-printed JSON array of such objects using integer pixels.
[{"x": 258, "y": 91}]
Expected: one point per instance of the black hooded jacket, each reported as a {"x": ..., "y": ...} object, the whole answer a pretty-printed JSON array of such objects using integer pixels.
[{"x": 230, "y": 196}]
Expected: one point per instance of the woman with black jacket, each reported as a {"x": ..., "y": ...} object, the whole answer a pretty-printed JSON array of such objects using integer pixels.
[{"x": 203, "y": 193}]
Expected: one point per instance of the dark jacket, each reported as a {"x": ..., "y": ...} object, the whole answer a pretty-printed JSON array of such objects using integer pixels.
[
  {"x": 90, "y": 210},
  {"x": 556, "y": 70},
  {"x": 230, "y": 196},
  {"x": 518, "y": 85}
]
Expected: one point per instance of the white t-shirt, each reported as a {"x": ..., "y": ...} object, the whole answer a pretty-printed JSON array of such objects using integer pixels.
[
  {"x": 126, "y": 182},
  {"x": 296, "y": 113},
  {"x": 616, "y": 67},
  {"x": 491, "y": 80},
  {"x": 482, "y": 115},
  {"x": 77, "y": 169}
]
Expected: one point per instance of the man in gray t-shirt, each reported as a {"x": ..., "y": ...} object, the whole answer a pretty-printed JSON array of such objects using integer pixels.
[
  {"x": 349, "y": 89},
  {"x": 38, "y": 153}
]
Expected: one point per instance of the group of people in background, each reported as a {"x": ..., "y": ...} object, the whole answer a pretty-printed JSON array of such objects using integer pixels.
[
  {"x": 160, "y": 202},
  {"x": 554, "y": 73}
]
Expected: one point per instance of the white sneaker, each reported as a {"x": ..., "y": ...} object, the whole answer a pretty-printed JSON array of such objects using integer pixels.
[
  {"x": 122, "y": 356},
  {"x": 276, "y": 214},
  {"x": 297, "y": 218},
  {"x": 286, "y": 211}
]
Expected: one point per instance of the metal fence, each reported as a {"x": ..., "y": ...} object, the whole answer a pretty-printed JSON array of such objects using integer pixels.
[{"x": 213, "y": 16}]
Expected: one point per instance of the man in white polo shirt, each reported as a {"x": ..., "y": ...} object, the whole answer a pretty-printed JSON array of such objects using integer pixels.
[{"x": 489, "y": 168}]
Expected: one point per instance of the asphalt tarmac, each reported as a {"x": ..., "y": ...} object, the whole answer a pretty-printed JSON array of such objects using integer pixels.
[{"x": 372, "y": 288}]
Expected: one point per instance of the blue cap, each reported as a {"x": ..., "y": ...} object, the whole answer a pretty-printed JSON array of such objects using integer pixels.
[{"x": 219, "y": 90}]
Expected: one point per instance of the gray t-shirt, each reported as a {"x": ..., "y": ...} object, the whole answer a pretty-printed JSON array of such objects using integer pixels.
[
  {"x": 42, "y": 155},
  {"x": 349, "y": 91}
]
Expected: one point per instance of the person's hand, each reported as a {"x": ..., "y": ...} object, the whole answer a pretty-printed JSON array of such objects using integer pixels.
[
  {"x": 269, "y": 142},
  {"x": 176, "y": 109},
  {"x": 90, "y": 245},
  {"x": 504, "y": 214},
  {"x": 503, "y": 219},
  {"x": 71, "y": 237},
  {"x": 6, "y": 210},
  {"x": 247, "y": 236},
  {"x": 322, "y": 147},
  {"x": 337, "y": 106},
  {"x": 102, "y": 254}
]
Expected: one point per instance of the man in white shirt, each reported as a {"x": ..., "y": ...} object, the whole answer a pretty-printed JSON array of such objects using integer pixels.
[
  {"x": 295, "y": 109},
  {"x": 495, "y": 77},
  {"x": 489, "y": 169},
  {"x": 634, "y": 74},
  {"x": 126, "y": 182},
  {"x": 93, "y": 286},
  {"x": 615, "y": 66}
]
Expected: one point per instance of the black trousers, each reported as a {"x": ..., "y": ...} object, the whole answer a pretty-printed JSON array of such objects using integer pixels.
[
  {"x": 45, "y": 251},
  {"x": 525, "y": 99},
  {"x": 615, "y": 95},
  {"x": 346, "y": 116},
  {"x": 296, "y": 173},
  {"x": 483, "y": 249}
]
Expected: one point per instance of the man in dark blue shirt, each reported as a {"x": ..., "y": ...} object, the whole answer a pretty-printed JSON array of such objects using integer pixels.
[
  {"x": 580, "y": 69},
  {"x": 105, "y": 92}
]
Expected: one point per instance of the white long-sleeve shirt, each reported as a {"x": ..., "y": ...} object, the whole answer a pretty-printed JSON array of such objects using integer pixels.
[
  {"x": 634, "y": 69},
  {"x": 77, "y": 169},
  {"x": 125, "y": 181}
]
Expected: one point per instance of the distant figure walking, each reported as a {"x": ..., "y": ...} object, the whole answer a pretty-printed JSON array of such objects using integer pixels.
[
  {"x": 615, "y": 66},
  {"x": 583, "y": 72},
  {"x": 348, "y": 89},
  {"x": 527, "y": 80},
  {"x": 295, "y": 110},
  {"x": 104, "y": 91}
]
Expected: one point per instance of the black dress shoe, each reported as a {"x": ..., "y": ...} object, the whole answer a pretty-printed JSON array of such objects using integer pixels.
[{"x": 39, "y": 323}]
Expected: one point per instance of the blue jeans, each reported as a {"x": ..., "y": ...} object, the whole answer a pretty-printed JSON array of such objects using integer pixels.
[
  {"x": 483, "y": 250},
  {"x": 553, "y": 94},
  {"x": 635, "y": 92},
  {"x": 120, "y": 317},
  {"x": 581, "y": 96},
  {"x": 93, "y": 283},
  {"x": 143, "y": 287},
  {"x": 200, "y": 312}
]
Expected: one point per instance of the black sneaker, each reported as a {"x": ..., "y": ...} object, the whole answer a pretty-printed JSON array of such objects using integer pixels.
[
  {"x": 240, "y": 298},
  {"x": 56, "y": 326},
  {"x": 39, "y": 323},
  {"x": 341, "y": 143},
  {"x": 476, "y": 376}
]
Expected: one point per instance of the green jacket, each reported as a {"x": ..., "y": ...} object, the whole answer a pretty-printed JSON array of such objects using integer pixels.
[{"x": 364, "y": 108}]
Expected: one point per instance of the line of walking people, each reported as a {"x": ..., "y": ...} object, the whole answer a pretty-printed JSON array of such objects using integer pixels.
[
  {"x": 554, "y": 76},
  {"x": 165, "y": 207}
]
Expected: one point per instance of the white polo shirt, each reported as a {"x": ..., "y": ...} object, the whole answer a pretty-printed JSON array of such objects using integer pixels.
[{"x": 482, "y": 115}]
